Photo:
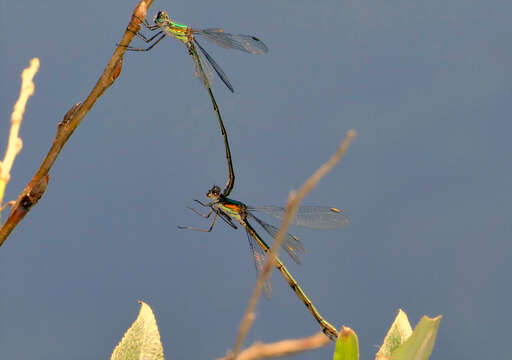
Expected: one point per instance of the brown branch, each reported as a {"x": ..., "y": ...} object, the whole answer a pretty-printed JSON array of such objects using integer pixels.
[
  {"x": 14, "y": 143},
  {"x": 282, "y": 348},
  {"x": 36, "y": 187},
  {"x": 294, "y": 199}
]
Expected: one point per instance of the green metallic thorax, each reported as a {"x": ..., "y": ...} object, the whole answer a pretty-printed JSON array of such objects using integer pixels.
[
  {"x": 178, "y": 31},
  {"x": 235, "y": 209}
]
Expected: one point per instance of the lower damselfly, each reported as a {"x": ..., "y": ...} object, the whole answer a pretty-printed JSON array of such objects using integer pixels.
[{"x": 317, "y": 217}]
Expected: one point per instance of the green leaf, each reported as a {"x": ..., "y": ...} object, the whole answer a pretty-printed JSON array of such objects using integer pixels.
[
  {"x": 347, "y": 345},
  {"x": 419, "y": 345},
  {"x": 399, "y": 331},
  {"x": 142, "y": 340}
]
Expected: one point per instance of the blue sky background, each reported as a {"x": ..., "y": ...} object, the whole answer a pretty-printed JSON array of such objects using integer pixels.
[{"x": 426, "y": 184}]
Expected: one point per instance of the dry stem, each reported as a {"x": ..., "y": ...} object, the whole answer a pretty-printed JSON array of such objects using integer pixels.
[
  {"x": 35, "y": 189},
  {"x": 294, "y": 199},
  {"x": 282, "y": 348},
  {"x": 15, "y": 144}
]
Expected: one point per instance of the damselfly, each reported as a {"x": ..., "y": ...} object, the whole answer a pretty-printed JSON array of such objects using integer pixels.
[
  {"x": 203, "y": 62},
  {"x": 318, "y": 217},
  {"x": 186, "y": 34}
]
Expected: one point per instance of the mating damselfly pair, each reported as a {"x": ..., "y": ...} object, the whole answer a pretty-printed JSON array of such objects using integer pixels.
[
  {"x": 227, "y": 209},
  {"x": 316, "y": 217}
]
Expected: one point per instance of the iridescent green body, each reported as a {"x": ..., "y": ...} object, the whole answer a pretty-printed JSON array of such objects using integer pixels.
[
  {"x": 184, "y": 33},
  {"x": 177, "y": 25},
  {"x": 178, "y": 31},
  {"x": 203, "y": 63}
]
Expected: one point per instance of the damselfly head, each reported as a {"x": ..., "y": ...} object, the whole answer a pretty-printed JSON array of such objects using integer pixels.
[
  {"x": 161, "y": 18},
  {"x": 214, "y": 192}
]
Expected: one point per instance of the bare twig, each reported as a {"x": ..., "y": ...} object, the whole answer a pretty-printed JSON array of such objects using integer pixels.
[
  {"x": 15, "y": 144},
  {"x": 30, "y": 195},
  {"x": 294, "y": 199},
  {"x": 282, "y": 348}
]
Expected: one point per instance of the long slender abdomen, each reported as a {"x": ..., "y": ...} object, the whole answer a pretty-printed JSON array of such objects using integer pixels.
[{"x": 327, "y": 328}]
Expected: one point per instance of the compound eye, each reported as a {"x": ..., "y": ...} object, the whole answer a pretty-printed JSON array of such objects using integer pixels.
[{"x": 158, "y": 17}]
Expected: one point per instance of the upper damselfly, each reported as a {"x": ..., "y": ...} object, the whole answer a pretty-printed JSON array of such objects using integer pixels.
[
  {"x": 203, "y": 62},
  {"x": 186, "y": 34}
]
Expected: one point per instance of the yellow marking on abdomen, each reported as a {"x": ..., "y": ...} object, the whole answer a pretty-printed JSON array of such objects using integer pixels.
[{"x": 327, "y": 328}]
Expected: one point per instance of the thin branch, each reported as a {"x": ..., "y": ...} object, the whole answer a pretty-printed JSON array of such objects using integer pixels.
[
  {"x": 294, "y": 199},
  {"x": 36, "y": 187},
  {"x": 282, "y": 348},
  {"x": 15, "y": 144}
]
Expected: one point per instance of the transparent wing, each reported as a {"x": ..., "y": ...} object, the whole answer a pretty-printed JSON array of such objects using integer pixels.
[
  {"x": 203, "y": 69},
  {"x": 290, "y": 243},
  {"x": 246, "y": 43},
  {"x": 315, "y": 217},
  {"x": 215, "y": 66},
  {"x": 259, "y": 260}
]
